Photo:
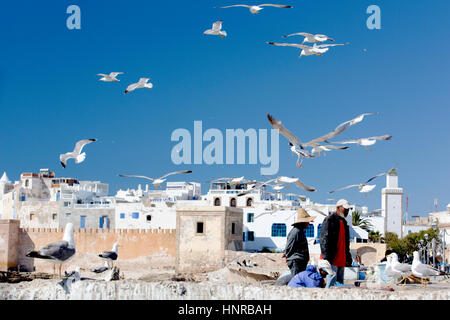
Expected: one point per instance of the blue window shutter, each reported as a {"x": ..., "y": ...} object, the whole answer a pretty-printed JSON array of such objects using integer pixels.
[
  {"x": 100, "y": 224},
  {"x": 83, "y": 222}
]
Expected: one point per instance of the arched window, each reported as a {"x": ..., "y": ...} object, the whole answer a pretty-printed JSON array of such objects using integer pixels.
[
  {"x": 27, "y": 182},
  {"x": 249, "y": 202},
  {"x": 309, "y": 231},
  {"x": 278, "y": 230},
  {"x": 217, "y": 202},
  {"x": 233, "y": 202}
]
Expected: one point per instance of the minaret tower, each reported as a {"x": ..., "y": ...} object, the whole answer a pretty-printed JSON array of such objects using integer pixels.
[{"x": 392, "y": 204}]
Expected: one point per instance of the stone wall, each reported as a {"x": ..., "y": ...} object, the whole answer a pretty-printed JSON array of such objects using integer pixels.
[{"x": 9, "y": 240}]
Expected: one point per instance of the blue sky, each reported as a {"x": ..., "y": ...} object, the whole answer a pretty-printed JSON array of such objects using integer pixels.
[{"x": 50, "y": 96}]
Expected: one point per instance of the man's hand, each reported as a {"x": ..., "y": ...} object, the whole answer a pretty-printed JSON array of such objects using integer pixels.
[{"x": 283, "y": 255}]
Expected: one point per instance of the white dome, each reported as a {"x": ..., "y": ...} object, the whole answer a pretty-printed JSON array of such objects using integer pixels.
[{"x": 5, "y": 178}]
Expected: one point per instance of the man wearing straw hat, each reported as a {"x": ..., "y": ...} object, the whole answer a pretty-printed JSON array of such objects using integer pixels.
[{"x": 297, "y": 253}]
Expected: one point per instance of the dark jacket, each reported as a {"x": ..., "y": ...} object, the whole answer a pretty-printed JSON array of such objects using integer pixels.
[
  {"x": 329, "y": 236},
  {"x": 297, "y": 245},
  {"x": 309, "y": 278}
]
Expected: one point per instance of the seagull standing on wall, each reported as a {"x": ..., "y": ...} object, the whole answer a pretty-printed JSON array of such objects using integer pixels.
[
  {"x": 109, "y": 77},
  {"x": 142, "y": 83},
  {"x": 256, "y": 8},
  {"x": 110, "y": 256},
  {"x": 156, "y": 181},
  {"x": 58, "y": 252},
  {"x": 76, "y": 153}
]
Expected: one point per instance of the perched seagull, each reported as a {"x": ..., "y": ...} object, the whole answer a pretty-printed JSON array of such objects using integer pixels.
[
  {"x": 76, "y": 153},
  {"x": 216, "y": 30},
  {"x": 256, "y": 8},
  {"x": 109, "y": 78},
  {"x": 318, "y": 50},
  {"x": 364, "y": 187},
  {"x": 156, "y": 181},
  {"x": 142, "y": 83},
  {"x": 297, "y": 146},
  {"x": 311, "y": 37},
  {"x": 101, "y": 269},
  {"x": 73, "y": 277},
  {"x": 422, "y": 270},
  {"x": 57, "y": 252},
  {"x": 365, "y": 141},
  {"x": 110, "y": 256},
  {"x": 279, "y": 180},
  {"x": 389, "y": 271},
  {"x": 403, "y": 268}
]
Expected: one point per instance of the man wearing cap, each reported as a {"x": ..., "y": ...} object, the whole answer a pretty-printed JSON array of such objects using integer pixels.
[
  {"x": 297, "y": 253},
  {"x": 335, "y": 240}
]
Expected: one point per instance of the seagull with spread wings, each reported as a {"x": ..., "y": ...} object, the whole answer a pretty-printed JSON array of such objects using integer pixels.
[
  {"x": 297, "y": 146},
  {"x": 156, "y": 181},
  {"x": 278, "y": 181},
  {"x": 76, "y": 153},
  {"x": 318, "y": 50},
  {"x": 237, "y": 180},
  {"x": 365, "y": 141},
  {"x": 256, "y": 8},
  {"x": 311, "y": 37},
  {"x": 142, "y": 83},
  {"x": 355, "y": 120},
  {"x": 364, "y": 187},
  {"x": 216, "y": 30},
  {"x": 109, "y": 77},
  {"x": 322, "y": 148}
]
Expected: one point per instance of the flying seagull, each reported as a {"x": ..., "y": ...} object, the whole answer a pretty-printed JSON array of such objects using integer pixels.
[
  {"x": 216, "y": 30},
  {"x": 279, "y": 181},
  {"x": 57, "y": 252},
  {"x": 156, "y": 181},
  {"x": 109, "y": 77},
  {"x": 356, "y": 120},
  {"x": 142, "y": 83},
  {"x": 365, "y": 141},
  {"x": 311, "y": 37},
  {"x": 318, "y": 50},
  {"x": 364, "y": 187},
  {"x": 297, "y": 146},
  {"x": 237, "y": 180},
  {"x": 322, "y": 148},
  {"x": 76, "y": 153},
  {"x": 110, "y": 256},
  {"x": 256, "y": 8}
]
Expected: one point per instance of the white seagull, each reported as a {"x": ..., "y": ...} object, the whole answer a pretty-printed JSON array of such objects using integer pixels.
[
  {"x": 76, "y": 153},
  {"x": 364, "y": 187},
  {"x": 216, "y": 30},
  {"x": 356, "y": 120},
  {"x": 389, "y": 271},
  {"x": 110, "y": 256},
  {"x": 311, "y": 37},
  {"x": 365, "y": 141},
  {"x": 318, "y": 50},
  {"x": 109, "y": 77},
  {"x": 256, "y": 8},
  {"x": 237, "y": 180},
  {"x": 142, "y": 83},
  {"x": 57, "y": 252},
  {"x": 322, "y": 148},
  {"x": 279, "y": 180},
  {"x": 156, "y": 181},
  {"x": 403, "y": 268},
  {"x": 297, "y": 146},
  {"x": 422, "y": 270}
]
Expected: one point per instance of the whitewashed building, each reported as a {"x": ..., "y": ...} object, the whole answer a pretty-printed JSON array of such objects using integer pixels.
[{"x": 392, "y": 204}]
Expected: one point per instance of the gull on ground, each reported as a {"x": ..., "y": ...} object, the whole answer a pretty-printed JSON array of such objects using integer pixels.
[
  {"x": 403, "y": 268},
  {"x": 76, "y": 153},
  {"x": 422, "y": 270},
  {"x": 216, "y": 30},
  {"x": 389, "y": 271},
  {"x": 297, "y": 146},
  {"x": 254, "y": 9},
  {"x": 110, "y": 256},
  {"x": 318, "y": 50},
  {"x": 142, "y": 83},
  {"x": 363, "y": 187},
  {"x": 365, "y": 141},
  {"x": 109, "y": 77},
  {"x": 57, "y": 252},
  {"x": 71, "y": 278},
  {"x": 311, "y": 37},
  {"x": 156, "y": 181}
]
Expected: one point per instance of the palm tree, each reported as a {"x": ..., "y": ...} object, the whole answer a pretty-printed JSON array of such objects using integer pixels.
[
  {"x": 361, "y": 222},
  {"x": 375, "y": 236}
]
